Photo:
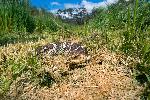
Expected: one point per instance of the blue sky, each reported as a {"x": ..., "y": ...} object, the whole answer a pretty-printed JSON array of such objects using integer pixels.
[{"x": 54, "y": 5}]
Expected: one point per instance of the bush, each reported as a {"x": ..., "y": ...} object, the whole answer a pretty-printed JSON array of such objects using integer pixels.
[
  {"x": 45, "y": 23},
  {"x": 30, "y": 24}
]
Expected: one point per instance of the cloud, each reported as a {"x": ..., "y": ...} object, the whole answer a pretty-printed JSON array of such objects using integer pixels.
[
  {"x": 69, "y": 5},
  {"x": 55, "y": 3},
  {"x": 90, "y": 5},
  {"x": 111, "y": 1}
]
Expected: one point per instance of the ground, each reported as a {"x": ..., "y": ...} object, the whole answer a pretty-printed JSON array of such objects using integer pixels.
[{"x": 106, "y": 76}]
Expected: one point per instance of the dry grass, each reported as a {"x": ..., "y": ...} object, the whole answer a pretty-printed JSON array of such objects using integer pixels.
[{"x": 105, "y": 77}]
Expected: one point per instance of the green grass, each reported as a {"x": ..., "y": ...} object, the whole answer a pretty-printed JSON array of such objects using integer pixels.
[
  {"x": 132, "y": 23},
  {"x": 11, "y": 38}
]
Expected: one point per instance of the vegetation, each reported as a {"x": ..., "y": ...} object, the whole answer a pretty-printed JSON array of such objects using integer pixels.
[
  {"x": 121, "y": 27},
  {"x": 132, "y": 22}
]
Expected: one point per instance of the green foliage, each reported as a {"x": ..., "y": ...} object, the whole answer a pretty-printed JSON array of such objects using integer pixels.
[
  {"x": 112, "y": 18},
  {"x": 14, "y": 17},
  {"x": 45, "y": 23},
  {"x": 116, "y": 16},
  {"x": 4, "y": 84},
  {"x": 132, "y": 19},
  {"x": 7, "y": 38},
  {"x": 30, "y": 24},
  {"x": 136, "y": 41},
  {"x": 17, "y": 67}
]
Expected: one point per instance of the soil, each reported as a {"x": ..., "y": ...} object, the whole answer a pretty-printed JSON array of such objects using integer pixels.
[{"x": 105, "y": 76}]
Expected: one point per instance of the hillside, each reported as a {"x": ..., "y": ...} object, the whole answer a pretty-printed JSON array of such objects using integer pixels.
[{"x": 104, "y": 55}]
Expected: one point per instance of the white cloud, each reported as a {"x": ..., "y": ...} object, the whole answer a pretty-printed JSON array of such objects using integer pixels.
[
  {"x": 90, "y": 5},
  {"x": 55, "y": 3},
  {"x": 69, "y": 5},
  {"x": 111, "y": 1}
]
